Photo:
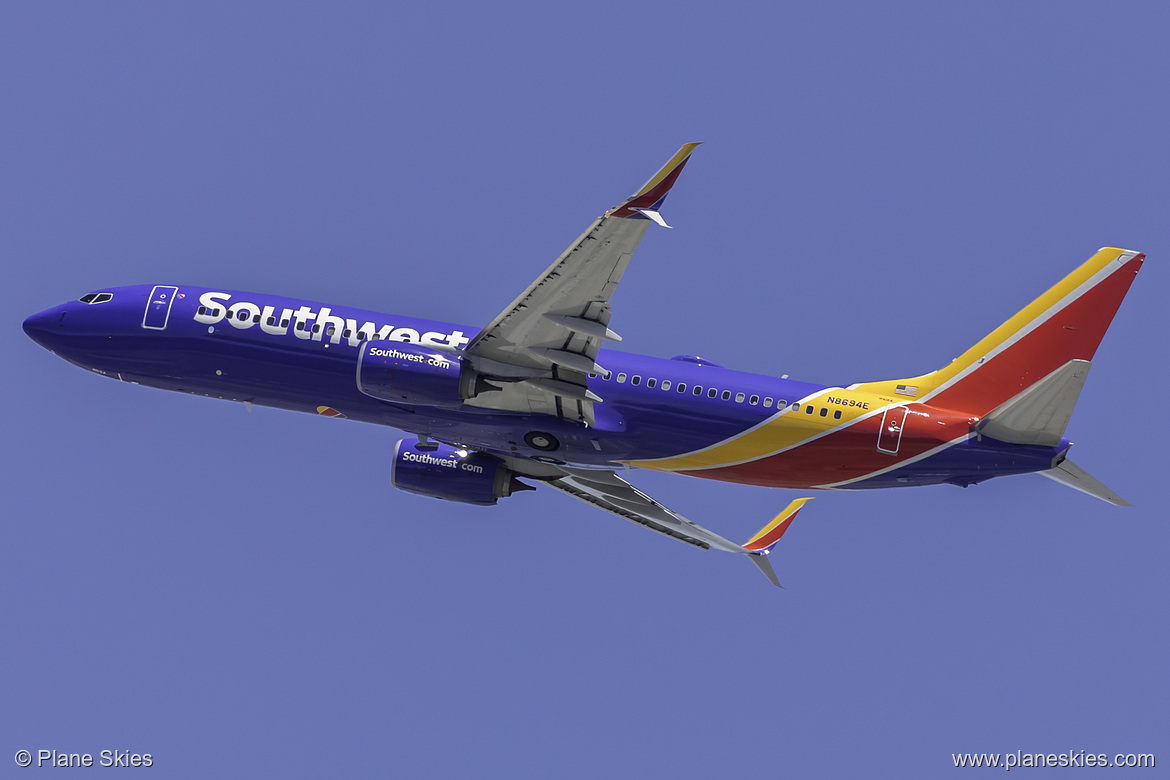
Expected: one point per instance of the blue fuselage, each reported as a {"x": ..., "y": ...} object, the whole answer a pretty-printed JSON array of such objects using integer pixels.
[{"x": 303, "y": 356}]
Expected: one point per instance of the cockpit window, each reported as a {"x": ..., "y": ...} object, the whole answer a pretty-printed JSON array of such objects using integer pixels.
[{"x": 96, "y": 298}]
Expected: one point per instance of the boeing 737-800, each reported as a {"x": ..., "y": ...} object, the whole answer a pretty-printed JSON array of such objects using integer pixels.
[{"x": 533, "y": 396}]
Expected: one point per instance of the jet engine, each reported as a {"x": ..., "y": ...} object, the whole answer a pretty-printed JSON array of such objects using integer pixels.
[
  {"x": 442, "y": 471},
  {"x": 407, "y": 373}
]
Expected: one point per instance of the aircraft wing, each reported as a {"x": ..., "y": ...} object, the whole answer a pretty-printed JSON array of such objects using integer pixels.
[
  {"x": 608, "y": 491},
  {"x": 540, "y": 349},
  {"x": 605, "y": 489}
]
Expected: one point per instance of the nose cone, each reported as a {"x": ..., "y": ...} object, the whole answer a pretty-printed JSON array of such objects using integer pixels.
[{"x": 47, "y": 327}]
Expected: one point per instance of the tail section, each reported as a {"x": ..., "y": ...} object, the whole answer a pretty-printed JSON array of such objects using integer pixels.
[{"x": 1034, "y": 347}]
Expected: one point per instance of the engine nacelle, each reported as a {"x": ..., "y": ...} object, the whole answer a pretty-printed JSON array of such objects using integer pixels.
[
  {"x": 441, "y": 471},
  {"x": 410, "y": 373}
]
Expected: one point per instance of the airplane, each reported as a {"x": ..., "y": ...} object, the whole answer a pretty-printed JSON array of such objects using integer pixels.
[{"x": 533, "y": 396}]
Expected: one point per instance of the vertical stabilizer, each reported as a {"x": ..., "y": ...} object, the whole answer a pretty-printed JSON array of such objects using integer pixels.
[{"x": 1064, "y": 324}]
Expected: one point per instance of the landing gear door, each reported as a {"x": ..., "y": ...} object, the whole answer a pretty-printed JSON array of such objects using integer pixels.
[
  {"x": 890, "y": 435},
  {"x": 158, "y": 309}
]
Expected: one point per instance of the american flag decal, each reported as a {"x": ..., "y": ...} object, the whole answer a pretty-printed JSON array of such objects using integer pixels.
[{"x": 909, "y": 390}]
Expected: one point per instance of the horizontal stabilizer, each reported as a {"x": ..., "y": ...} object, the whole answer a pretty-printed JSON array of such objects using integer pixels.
[
  {"x": 1040, "y": 413},
  {"x": 1069, "y": 473}
]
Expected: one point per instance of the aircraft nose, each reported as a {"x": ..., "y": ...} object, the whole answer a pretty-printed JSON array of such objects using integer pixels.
[{"x": 46, "y": 327}]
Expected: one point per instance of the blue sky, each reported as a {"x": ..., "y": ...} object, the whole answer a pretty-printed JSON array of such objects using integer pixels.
[{"x": 881, "y": 185}]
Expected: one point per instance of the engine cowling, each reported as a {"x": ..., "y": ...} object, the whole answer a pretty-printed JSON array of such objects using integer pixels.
[
  {"x": 410, "y": 373},
  {"x": 442, "y": 471}
]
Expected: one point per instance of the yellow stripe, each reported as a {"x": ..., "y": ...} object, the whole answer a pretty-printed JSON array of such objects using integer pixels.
[
  {"x": 1029, "y": 314},
  {"x": 679, "y": 156},
  {"x": 779, "y": 433}
]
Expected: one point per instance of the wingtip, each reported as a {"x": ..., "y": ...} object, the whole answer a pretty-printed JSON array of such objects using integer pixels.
[
  {"x": 769, "y": 535},
  {"x": 651, "y": 194}
]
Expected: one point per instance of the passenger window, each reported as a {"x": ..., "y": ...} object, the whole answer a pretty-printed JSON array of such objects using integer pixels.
[
  {"x": 739, "y": 398},
  {"x": 651, "y": 382},
  {"x": 781, "y": 404},
  {"x": 346, "y": 333},
  {"x": 796, "y": 407},
  {"x": 256, "y": 319},
  {"x": 808, "y": 409},
  {"x": 636, "y": 380},
  {"x": 837, "y": 415},
  {"x": 270, "y": 321},
  {"x": 621, "y": 379},
  {"x": 768, "y": 403},
  {"x": 712, "y": 393},
  {"x": 300, "y": 326},
  {"x": 202, "y": 309},
  {"x": 665, "y": 384},
  {"x": 698, "y": 390},
  {"x": 607, "y": 375},
  {"x": 755, "y": 399},
  {"x": 824, "y": 411},
  {"x": 316, "y": 328},
  {"x": 726, "y": 395},
  {"x": 284, "y": 323},
  {"x": 681, "y": 387},
  {"x": 241, "y": 315}
]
